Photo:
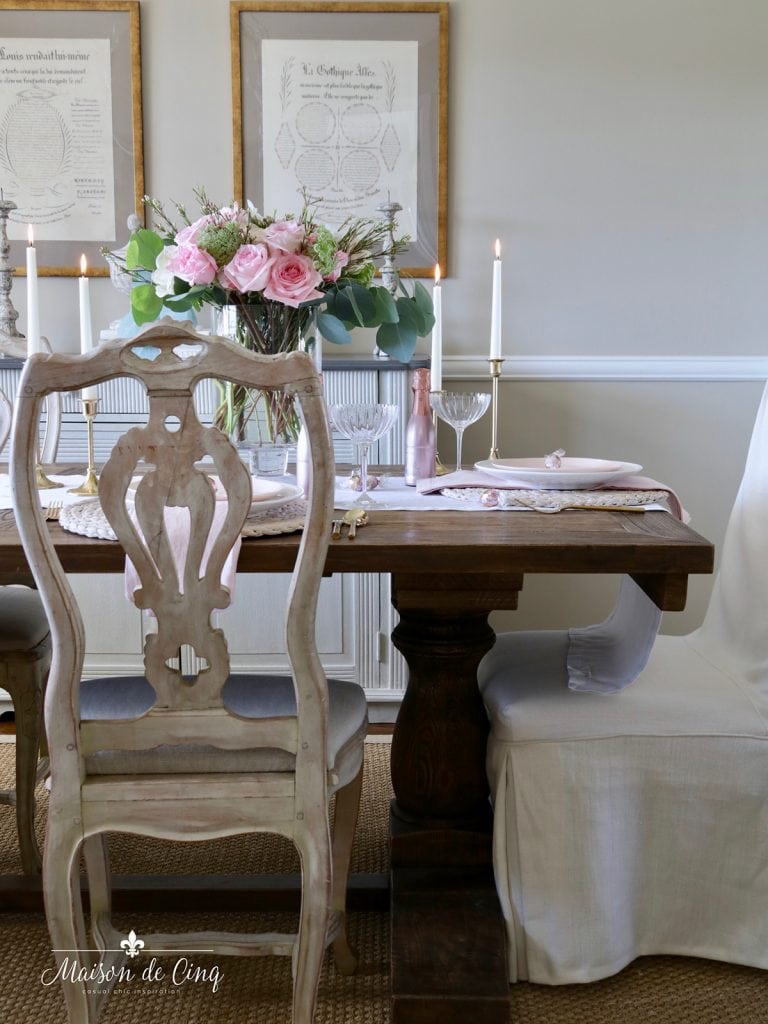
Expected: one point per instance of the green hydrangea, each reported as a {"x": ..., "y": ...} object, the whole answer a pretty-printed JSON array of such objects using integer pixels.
[
  {"x": 324, "y": 251},
  {"x": 364, "y": 275},
  {"x": 220, "y": 241}
]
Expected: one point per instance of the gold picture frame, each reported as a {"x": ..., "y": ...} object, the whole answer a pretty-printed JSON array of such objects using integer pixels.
[
  {"x": 71, "y": 135},
  {"x": 350, "y": 101}
]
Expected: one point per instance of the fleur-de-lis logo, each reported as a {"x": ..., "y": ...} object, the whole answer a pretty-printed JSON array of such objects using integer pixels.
[{"x": 132, "y": 945}]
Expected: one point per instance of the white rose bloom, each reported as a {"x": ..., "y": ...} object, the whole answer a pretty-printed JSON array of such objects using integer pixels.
[{"x": 162, "y": 278}]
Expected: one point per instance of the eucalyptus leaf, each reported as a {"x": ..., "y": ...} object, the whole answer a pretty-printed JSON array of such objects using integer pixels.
[
  {"x": 145, "y": 304},
  {"x": 181, "y": 303},
  {"x": 397, "y": 340},
  {"x": 341, "y": 307},
  {"x": 386, "y": 310},
  {"x": 143, "y": 249},
  {"x": 411, "y": 316},
  {"x": 333, "y": 329}
]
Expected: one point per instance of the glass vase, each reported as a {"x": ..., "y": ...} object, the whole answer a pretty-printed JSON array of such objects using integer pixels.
[{"x": 267, "y": 328}]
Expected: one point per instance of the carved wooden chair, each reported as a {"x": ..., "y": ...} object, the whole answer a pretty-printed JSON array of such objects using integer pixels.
[
  {"x": 25, "y": 653},
  {"x": 177, "y": 757}
]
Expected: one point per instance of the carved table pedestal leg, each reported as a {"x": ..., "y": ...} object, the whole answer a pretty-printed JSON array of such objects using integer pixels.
[{"x": 448, "y": 956}]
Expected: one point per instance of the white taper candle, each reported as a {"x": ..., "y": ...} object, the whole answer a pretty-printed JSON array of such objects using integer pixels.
[
  {"x": 33, "y": 306},
  {"x": 436, "y": 365},
  {"x": 496, "y": 305},
  {"x": 86, "y": 327}
]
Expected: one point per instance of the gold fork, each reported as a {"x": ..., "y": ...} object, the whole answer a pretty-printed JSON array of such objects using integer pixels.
[{"x": 52, "y": 511}]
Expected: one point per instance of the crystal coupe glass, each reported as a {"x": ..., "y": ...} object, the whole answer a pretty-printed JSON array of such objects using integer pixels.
[
  {"x": 363, "y": 424},
  {"x": 459, "y": 409}
]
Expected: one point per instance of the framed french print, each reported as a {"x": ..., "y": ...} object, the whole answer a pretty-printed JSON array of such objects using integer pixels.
[
  {"x": 71, "y": 154},
  {"x": 345, "y": 103}
]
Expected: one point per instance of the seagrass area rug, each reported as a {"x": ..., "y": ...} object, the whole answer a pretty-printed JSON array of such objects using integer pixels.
[{"x": 257, "y": 990}]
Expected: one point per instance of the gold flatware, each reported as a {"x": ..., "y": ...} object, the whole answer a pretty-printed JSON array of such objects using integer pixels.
[
  {"x": 355, "y": 517},
  {"x": 52, "y": 511},
  {"x": 336, "y": 529}
]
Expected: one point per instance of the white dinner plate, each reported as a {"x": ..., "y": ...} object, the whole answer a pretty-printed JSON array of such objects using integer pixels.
[
  {"x": 266, "y": 493},
  {"x": 573, "y": 473}
]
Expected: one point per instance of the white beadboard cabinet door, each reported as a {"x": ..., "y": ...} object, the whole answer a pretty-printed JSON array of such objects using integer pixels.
[{"x": 355, "y": 614}]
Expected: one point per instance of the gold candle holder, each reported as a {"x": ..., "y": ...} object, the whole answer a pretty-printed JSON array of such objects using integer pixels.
[
  {"x": 495, "y": 365},
  {"x": 440, "y": 469},
  {"x": 90, "y": 485},
  {"x": 42, "y": 482}
]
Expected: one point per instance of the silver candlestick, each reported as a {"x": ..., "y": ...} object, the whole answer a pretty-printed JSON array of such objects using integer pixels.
[
  {"x": 8, "y": 315},
  {"x": 389, "y": 274},
  {"x": 10, "y": 339}
]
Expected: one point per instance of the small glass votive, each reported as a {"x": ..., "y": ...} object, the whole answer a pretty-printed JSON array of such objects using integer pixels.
[{"x": 269, "y": 459}]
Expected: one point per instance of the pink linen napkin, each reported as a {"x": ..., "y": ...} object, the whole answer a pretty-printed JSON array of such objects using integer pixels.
[
  {"x": 177, "y": 521},
  {"x": 474, "y": 478}
]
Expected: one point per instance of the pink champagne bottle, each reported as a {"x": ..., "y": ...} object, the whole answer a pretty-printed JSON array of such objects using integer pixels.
[{"x": 420, "y": 433}]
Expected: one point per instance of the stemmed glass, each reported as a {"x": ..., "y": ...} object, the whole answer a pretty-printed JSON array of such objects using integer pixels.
[
  {"x": 363, "y": 423},
  {"x": 459, "y": 409}
]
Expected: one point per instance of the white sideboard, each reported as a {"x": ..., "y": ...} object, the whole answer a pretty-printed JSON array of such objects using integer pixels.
[{"x": 355, "y": 616}]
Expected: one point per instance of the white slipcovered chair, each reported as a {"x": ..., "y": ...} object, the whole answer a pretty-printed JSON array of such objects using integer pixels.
[
  {"x": 636, "y": 822},
  {"x": 216, "y": 754}
]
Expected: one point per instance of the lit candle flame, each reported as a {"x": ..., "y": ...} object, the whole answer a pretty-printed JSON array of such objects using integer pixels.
[
  {"x": 437, "y": 273},
  {"x": 498, "y": 249},
  {"x": 83, "y": 265},
  {"x": 30, "y": 235}
]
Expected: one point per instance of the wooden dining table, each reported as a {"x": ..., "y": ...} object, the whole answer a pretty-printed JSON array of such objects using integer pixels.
[{"x": 449, "y": 571}]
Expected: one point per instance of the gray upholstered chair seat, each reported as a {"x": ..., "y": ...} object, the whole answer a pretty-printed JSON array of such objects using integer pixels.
[
  {"x": 252, "y": 696},
  {"x": 23, "y": 623}
]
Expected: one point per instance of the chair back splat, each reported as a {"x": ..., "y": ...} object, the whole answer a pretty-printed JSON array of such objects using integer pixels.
[{"x": 214, "y": 754}]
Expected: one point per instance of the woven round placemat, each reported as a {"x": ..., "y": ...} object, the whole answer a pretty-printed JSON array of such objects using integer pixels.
[
  {"x": 87, "y": 519},
  {"x": 527, "y": 498}
]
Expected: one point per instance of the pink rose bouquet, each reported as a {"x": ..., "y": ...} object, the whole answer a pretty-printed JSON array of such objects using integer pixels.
[{"x": 236, "y": 256}]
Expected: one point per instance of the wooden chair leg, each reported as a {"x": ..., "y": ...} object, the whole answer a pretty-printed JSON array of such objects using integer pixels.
[
  {"x": 27, "y": 706},
  {"x": 96, "y": 853},
  {"x": 345, "y": 822},
  {"x": 313, "y": 923},
  {"x": 66, "y": 924}
]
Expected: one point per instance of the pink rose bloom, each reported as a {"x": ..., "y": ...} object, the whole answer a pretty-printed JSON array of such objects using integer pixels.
[
  {"x": 193, "y": 265},
  {"x": 248, "y": 270},
  {"x": 285, "y": 235},
  {"x": 342, "y": 259},
  {"x": 191, "y": 231},
  {"x": 293, "y": 280}
]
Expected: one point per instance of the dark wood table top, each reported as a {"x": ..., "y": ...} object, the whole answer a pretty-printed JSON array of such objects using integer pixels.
[{"x": 651, "y": 545}]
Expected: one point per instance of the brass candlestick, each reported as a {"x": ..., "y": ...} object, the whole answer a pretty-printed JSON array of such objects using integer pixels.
[
  {"x": 440, "y": 469},
  {"x": 42, "y": 482},
  {"x": 495, "y": 374},
  {"x": 91, "y": 484}
]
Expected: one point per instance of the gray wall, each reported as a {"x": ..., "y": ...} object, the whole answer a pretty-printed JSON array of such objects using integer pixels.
[{"x": 619, "y": 148}]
